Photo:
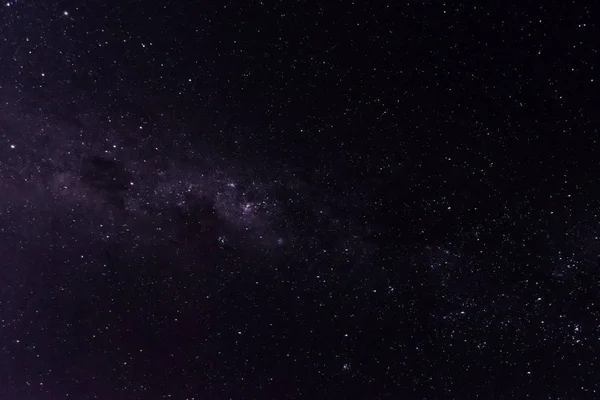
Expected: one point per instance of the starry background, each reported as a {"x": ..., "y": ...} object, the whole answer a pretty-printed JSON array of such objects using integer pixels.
[{"x": 269, "y": 200}]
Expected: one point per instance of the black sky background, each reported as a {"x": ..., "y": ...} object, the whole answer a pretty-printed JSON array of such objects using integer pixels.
[{"x": 213, "y": 200}]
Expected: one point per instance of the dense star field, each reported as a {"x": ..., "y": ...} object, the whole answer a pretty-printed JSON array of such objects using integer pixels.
[{"x": 288, "y": 200}]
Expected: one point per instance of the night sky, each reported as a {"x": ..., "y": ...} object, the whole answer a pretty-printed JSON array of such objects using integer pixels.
[{"x": 299, "y": 200}]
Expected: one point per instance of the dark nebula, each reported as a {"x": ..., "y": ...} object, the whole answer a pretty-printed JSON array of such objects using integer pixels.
[{"x": 108, "y": 177}]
